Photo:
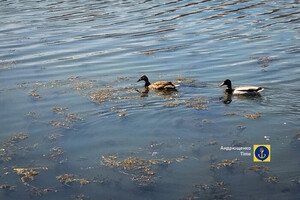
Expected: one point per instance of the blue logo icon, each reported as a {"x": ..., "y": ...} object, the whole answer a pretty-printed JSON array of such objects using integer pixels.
[{"x": 261, "y": 153}]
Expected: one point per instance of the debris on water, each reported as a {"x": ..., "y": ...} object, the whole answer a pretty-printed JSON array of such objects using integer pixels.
[
  {"x": 7, "y": 187},
  {"x": 79, "y": 197},
  {"x": 216, "y": 190},
  {"x": 296, "y": 181},
  {"x": 18, "y": 137},
  {"x": 55, "y": 152},
  {"x": 213, "y": 143},
  {"x": 148, "y": 52},
  {"x": 99, "y": 95},
  {"x": 26, "y": 173},
  {"x": 271, "y": 179},
  {"x": 241, "y": 127},
  {"x": 33, "y": 93},
  {"x": 73, "y": 117},
  {"x": 230, "y": 113},
  {"x": 205, "y": 120},
  {"x": 182, "y": 79},
  {"x": 252, "y": 116},
  {"x": 225, "y": 163},
  {"x": 266, "y": 137},
  {"x": 59, "y": 109},
  {"x": 122, "y": 114},
  {"x": 70, "y": 178},
  {"x": 84, "y": 85},
  {"x": 66, "y": 178},
  {"x": 33, "y": 115},
  {"x": 297, "y": 135},
  {"x": 258, "y": 168},
  {"x": 10, "y": 147},
  {"x": 7, "y": 64},
  {"x": 171, "y": 104},
  {"x": 122, "y": 78},
  {"x": 55, "y": 136},
  {"x": 141, "y": 169},
  {"x": 57, "y": 123},
  {"x": 40, "y": 191},
  {"x": 263, "y": 61},
  {"x": 198, "y": 103}
]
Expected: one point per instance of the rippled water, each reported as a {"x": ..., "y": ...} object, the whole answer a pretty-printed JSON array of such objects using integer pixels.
[{"x": 70, "y": 103}]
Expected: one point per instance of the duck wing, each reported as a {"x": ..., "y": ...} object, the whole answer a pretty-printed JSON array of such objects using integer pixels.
[
  {"x": 162, "y": 85},
  {"x": 247, "y": 90}
]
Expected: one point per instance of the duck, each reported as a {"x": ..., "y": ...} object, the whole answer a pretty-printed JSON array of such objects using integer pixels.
[
  {"x": 241, "y": 90},
  {"x": 158, "y": 85}
]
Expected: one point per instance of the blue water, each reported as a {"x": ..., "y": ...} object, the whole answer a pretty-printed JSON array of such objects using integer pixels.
[{"x": 86, "y": 56}]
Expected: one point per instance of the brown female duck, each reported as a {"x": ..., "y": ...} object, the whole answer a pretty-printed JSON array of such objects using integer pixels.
[{"x": 158, "y": 85}]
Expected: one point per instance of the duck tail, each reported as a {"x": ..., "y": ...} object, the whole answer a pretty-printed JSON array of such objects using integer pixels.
[{"x": 260, "y": 89}]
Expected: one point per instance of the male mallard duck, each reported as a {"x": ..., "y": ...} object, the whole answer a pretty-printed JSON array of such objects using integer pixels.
[
  {"x": 159, "y": 85},
  {"x": 244, "y": 90}
]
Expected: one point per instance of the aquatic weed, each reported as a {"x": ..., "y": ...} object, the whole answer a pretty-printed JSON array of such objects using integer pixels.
[
  {"x": 26, "y": 173},
  {"x": 141, "y": 169},
  {"x": 252, "y": 115}
]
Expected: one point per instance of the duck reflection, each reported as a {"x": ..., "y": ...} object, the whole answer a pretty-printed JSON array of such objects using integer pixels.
[
  {"x": 164, "y": 93},
  {"x": 227, "y": 99}
]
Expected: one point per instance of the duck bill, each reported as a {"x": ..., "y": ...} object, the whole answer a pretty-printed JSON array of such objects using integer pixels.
[
  {"x": 221, "y": 84},
  {"x": 139, "y": 80}
]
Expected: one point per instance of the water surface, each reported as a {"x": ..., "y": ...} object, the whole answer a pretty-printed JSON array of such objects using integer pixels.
[{"x": 69, "y": 101}]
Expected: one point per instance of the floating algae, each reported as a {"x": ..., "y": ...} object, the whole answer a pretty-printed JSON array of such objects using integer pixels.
[
  {"x": 69, "y": 118},
  {"x": 54, "y": 136},
  {"x": 120, "y": 112},
  {"x": 58, "y": 124},
  {"x": 33, "y": 115},
  {"x": 72, "y": 117},
  {"x": 33, "y": 93},
  {"x": 7, "y": 187},
  {"x": 271, "y": 179},
  {"x": 99, "y": 95},
  {"x": 224, "y": 163},
  {"x": 182, "y": 79},
  {"x": 55, "y": 152},
  {"x": 171, "y": 104},
  {"x": 141, "y": 169},
  {"x": 26, "y": 173},
  {"x": 40, "y": 191},
  {"x": 7, "y": 64},
  {"x": 70, "y": 178},
  {"x": 79, "y": 197},
  {"x": 297, "y": 136},
  {"x": 259, "y": 168},
  {"x": 241, "y": 127},
  {"x": 230, "y": 113},
  {"x": 213, "y": 143},
  {"x": 197, "y": 103},
  {"x": 263, "y": 61},
  {"x": 84, "y": 85},
  {"x": 217, "y": 190},
  {"x": 15, "y": 138},
  {"x": 59, "y": 109},
  {"x": 252, "y": 116},
  {"x": 122, "y": 78},
  {"x": 9, "y": 148},
  {"x": 66, "y": 178}
]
